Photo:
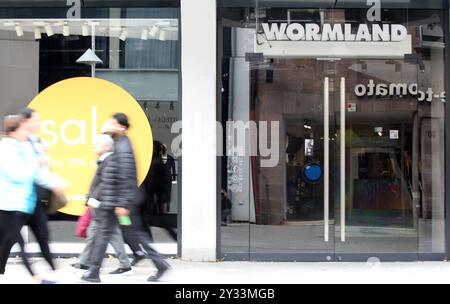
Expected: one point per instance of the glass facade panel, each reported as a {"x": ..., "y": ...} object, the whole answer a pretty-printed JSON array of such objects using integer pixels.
[
  {"x": 139, "y": 50},
  {"x": 374, "y": 190}
]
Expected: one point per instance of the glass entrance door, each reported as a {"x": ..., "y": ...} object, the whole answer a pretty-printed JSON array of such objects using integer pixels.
[
  {"x": 296, "y": 195},
  {"x": 377, "y": 210}
]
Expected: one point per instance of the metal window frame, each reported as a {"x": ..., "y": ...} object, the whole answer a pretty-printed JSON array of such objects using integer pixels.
[
  {"x": 322, "y": 4},
  {"x": 447, "y": 130},
  {"x": 89, "y": 3}
]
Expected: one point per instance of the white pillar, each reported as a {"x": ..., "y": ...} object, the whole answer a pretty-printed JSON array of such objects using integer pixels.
[{"x": 199, "y": 188}]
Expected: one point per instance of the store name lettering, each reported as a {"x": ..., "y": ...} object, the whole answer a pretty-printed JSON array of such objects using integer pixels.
[
  {"x": 335, "y": 32},
  {"x": 397, "y": 89}
]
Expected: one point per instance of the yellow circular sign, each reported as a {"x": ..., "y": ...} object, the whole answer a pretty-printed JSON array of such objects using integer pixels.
[{"x": 73, "y": 112}]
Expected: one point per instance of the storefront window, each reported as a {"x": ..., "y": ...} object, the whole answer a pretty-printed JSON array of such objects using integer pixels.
[
  {"x": 375, "y": 190},
  {"x": 138, "y": 50}
]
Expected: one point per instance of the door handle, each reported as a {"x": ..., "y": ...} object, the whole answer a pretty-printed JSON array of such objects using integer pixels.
[
  {"x": 326, "y": 143},
  {"x": 342, "y": 160}
]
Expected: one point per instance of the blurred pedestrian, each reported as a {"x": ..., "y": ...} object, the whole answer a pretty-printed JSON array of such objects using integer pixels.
[
  {"x": 20, "y": 169},
  {"x": 119, "y": 200},
  {"x": 103, "y": 147},
  {"x": 38, "y": 220}
]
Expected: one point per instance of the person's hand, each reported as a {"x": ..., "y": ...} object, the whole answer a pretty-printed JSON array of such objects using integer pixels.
[
  {"x": 61, "y": 188},
  {"x": 60, "y": 191},
  {"x": 122, "y": 212}
]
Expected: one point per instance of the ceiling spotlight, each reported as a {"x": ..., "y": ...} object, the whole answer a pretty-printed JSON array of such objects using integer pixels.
[
  {"x": 162, "y": 35},
  {"x": 144, "y": 35},
  {"x": 379, "y": 131},
  {"x": 9, "y": 23},
  {"x": 123, "y": 35},
  {"x": 307, "y": 125},
  {"x": 37, "y": 34},
  {"x": 66, "y": 30},
  {"x": 49, "y": 30},
  {"x": 85, "y": 30},
  {"x": 154, "y": 31},
  {"x": 39, "y": 23},
  {"x": 19, "y": 30}
]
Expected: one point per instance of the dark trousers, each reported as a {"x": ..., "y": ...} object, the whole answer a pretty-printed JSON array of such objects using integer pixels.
[
  {"x": 39, "y": 227},
  {"x": 152, "y": 208},
  {"x": 139, "y": 238},
  {"x": 135, "y": 236},
  {"x": 11, "y": 223}
]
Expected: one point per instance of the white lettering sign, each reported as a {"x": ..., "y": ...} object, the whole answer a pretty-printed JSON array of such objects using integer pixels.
[
  {"x": 334, "y": 32},
  {"x": 78, "y": 127},
  {"x": 397, "y": 89}
]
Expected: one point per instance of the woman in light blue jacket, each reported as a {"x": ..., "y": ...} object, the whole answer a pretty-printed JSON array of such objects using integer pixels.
[{"x": 19, "y": 171}]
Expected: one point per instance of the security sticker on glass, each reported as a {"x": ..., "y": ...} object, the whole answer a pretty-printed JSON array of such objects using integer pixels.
[{"x": 394, "y": 134}]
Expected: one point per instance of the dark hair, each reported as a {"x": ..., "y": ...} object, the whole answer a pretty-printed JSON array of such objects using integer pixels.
[
  {"x": 157, "y": 148},
  {"x": 12, "y": 123},
  {"x": 122, "y": 119},
  {"x": 26, "y": 113}
]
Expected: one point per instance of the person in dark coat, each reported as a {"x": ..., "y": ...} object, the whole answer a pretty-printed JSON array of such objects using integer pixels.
[
  {"x": 170, "y": 175},
  {"x": 103, "y": 147},
  {"x": 226, "y": 207},
  {"x": 119, "y": 199},
  {"x": 155, "y": 192}
]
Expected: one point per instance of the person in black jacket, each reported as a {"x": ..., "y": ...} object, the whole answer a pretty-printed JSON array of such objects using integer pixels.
[
  {"x": 154, "y": 190},
  {"x": 103, "y": 147},
  {"x": 119, "y": 198},
  {"x": 170, "y": 175}
]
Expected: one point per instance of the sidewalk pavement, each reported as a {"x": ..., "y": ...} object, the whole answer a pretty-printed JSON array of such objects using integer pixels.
[{"x": 184, "y": 272}]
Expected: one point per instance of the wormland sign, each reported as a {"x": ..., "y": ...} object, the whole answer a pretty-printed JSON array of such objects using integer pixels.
[
  {"x": 373, "y": 39},
  {"x": 334, "y": 32}
]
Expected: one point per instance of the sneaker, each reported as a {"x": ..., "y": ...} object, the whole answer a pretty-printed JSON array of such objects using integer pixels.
[
  {"x": 137, "y": 259},
  {"x": 47, "y": 282},
  {"x": 80, "y": 266},
  {"x": 91, "y": 277},
  {"x": 122, "y": 271},
  {"x": 156, "y": 277}
]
